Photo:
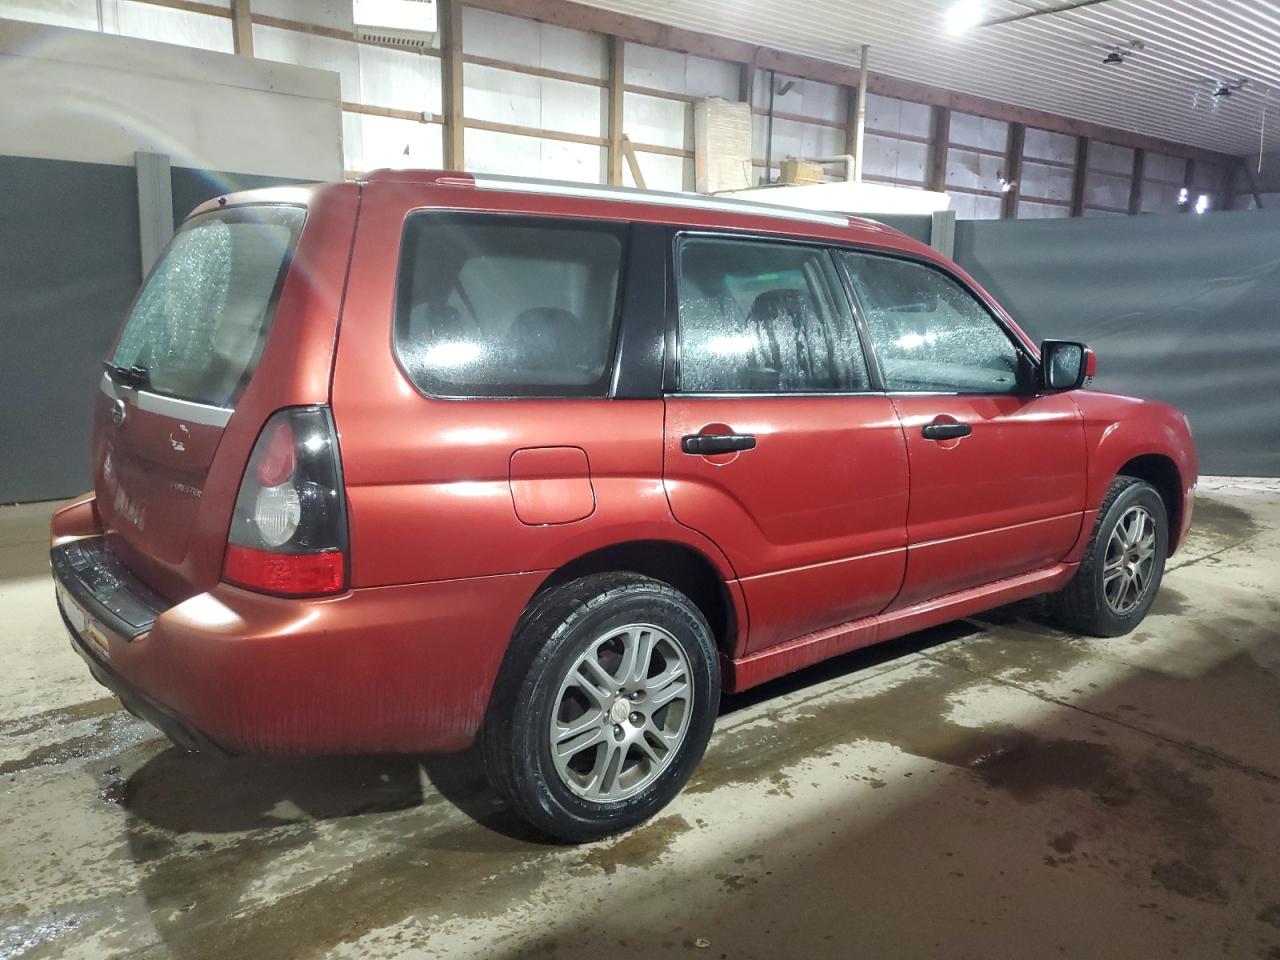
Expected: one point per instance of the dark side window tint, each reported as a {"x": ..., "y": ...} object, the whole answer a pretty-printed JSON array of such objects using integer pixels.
[
  {"x": 507, "y": 306},
  {"x": 930, "y": 333},
  {"x": 761, "y": 317}
]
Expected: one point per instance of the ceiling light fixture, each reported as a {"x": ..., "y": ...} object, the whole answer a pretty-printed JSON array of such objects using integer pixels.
[
  {"x": 964, "y": 15},
  {"x": 1225, "y": 88}
]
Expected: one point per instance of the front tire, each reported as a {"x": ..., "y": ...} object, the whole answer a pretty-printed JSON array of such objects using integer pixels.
[
  {"x": 1122, "y": 566},
  {"x": 603, "y": 706}
]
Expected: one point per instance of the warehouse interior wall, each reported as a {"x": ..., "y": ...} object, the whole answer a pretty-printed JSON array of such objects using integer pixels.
[
  {"x": 77, "y": 106},
  {"x": 1184, "y": 309}
]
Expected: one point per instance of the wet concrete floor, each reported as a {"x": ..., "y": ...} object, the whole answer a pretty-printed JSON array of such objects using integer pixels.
[{"x": 990, "y": 788}]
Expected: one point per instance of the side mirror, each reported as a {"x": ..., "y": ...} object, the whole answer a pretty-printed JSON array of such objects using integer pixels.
[{"x": 1066, "y": 365}]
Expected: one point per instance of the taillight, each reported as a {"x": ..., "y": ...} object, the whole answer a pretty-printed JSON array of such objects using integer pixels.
[{"x": 289, "y": 530}]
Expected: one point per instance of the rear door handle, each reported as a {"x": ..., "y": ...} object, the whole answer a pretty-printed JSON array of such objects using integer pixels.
[
  {"x": 706, "y": 444},
  {"x": 945, "y": 431}
]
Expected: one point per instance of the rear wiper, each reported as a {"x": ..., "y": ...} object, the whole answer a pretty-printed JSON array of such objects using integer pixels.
[{"x": 136, "y": 377}]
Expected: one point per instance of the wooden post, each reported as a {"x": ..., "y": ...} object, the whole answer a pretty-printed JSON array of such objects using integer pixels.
[
  {"x": 242, "y": 27},
  {"x": 450, "y": 15},
  {"x": 939, "y": 144},
  {"x": 617, "y": 87},
  {"x": 1013, "y": 171},
  {"x": 1079, "y": 175},
  {"x": 1135, "y": 187}
]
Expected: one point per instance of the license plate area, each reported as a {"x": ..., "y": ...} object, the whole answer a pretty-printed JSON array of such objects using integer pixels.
[{"x": 84, "y": 625}]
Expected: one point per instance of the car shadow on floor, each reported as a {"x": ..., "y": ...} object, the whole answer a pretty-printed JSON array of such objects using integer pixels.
[{"x": 182, "y": 792}]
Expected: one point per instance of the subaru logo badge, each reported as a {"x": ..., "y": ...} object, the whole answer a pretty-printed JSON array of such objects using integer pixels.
[{"x": 117, "y": 412}]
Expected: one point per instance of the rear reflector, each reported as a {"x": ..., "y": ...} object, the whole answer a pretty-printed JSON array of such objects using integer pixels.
[{"x": 300, "y": 574}]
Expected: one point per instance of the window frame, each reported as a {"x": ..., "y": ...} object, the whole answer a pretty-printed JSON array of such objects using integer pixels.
[
  {"x": 671, "y": 367},
  {"x": 605, "y": 385},
  {"x": 1021, "y": 347}
]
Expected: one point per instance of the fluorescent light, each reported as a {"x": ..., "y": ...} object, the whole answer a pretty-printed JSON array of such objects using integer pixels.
[{"x": 964, "y": 15}]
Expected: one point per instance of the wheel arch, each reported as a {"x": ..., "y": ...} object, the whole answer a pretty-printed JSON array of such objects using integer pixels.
[
  {"x": 679, "y": 565},
  {"x": 1162, "y": 473}
]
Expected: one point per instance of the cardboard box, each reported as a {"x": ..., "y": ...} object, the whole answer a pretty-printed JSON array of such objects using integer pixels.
[{"x": 795, "y": 170}]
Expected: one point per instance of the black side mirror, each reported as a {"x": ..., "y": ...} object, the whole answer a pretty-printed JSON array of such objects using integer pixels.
[{"x": 1065, "y": 364}]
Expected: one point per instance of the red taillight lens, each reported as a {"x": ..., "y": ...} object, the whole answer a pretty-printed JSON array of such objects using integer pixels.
[
  {"x": 289, "y": 531},
  {"x": 278, "y": 461},
  {"x": 286, "y": 573}
]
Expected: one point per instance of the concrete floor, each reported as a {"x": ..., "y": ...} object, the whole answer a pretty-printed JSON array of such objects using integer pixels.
[{"x": 987, "y": 789}]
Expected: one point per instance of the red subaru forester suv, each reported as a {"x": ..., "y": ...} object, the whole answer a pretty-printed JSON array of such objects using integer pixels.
[{"x": 396, "y": 464}]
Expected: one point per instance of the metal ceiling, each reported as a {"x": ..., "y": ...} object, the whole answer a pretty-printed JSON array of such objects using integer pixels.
[{"x": 1051, "y": 62}]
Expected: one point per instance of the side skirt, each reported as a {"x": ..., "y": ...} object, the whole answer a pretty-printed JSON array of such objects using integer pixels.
[{"x": 783, "y": 658}]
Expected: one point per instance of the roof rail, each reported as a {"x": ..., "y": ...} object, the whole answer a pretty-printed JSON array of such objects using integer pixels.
[{"x": 566, "y": 188}]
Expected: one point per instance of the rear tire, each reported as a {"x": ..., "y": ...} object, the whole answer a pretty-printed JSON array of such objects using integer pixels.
[
  {"x": 1122, "y": 565},
  {"x": 603, "y": 706}
]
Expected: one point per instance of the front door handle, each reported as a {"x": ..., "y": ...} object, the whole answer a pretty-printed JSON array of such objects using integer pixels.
[
  {"x": 706, "y": 444},
  {"x": 945, "y": 431}
]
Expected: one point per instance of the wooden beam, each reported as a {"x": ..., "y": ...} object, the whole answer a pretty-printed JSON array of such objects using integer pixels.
[
  {"x": 1227, "y": 192},
  {"x": 450, "y": 29},
  {"x": 417, "y": 116},
  {"x": 1135, "y": 185},
  {"x": 1013, "y": 170},
  {"x": 577, "y": 16},
  {"x": 242, "y": 27},
  {"x": 1252, "y": 181},
  {"x": 940, "y": 143},
  {"x": 746, "y": 80},
  {"x": 520, "y": 130},
  {"x": 508, "y": 65},
  {"x": 633, "y": 163},
  {"x": 617, "y": 88},
  {"x": 1079, "y": 176},
  {"x": 850, "y": 120}
]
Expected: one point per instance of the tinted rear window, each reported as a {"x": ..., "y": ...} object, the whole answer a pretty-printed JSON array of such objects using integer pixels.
[
  {"x": 200, "y": 322},
  {"x": 493, "y": 306}
]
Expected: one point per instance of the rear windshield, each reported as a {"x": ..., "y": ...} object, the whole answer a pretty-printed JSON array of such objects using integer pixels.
[
  {"x": 503, "y": 306},
  {"x": 200, "y": 322}
]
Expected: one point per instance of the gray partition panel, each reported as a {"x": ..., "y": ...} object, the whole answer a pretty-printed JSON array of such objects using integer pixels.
[
  {"x": 70, "y": 269},
  {"x": 69, "y": 232},
  {"x": 1180, "y": 308},
  {"x": 193, "y": 187}
]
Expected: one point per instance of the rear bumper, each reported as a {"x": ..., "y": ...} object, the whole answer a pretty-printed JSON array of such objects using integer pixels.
[
  {"x": 397, "y": 669},
  {"x": 174, "y": 726}
]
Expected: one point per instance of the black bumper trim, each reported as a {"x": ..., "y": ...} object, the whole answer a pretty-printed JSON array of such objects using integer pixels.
[
  {"x": 105, "y": 588},
  {"x": 172, "y": 724}
]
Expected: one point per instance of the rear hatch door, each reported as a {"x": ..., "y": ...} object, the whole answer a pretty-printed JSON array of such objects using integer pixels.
[{"x": 191, "y": 346}]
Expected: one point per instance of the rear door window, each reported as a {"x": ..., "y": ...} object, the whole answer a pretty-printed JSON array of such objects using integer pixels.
[
  {"x": 508, "y": 306},
  {"x": 197, "y": 328},
  {"x": 761, "y": 317}
]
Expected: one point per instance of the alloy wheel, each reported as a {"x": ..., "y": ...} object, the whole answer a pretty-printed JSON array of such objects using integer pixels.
[
  {"x": 1130, "y": 559},
  {"x": 621, "y": 713}
]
